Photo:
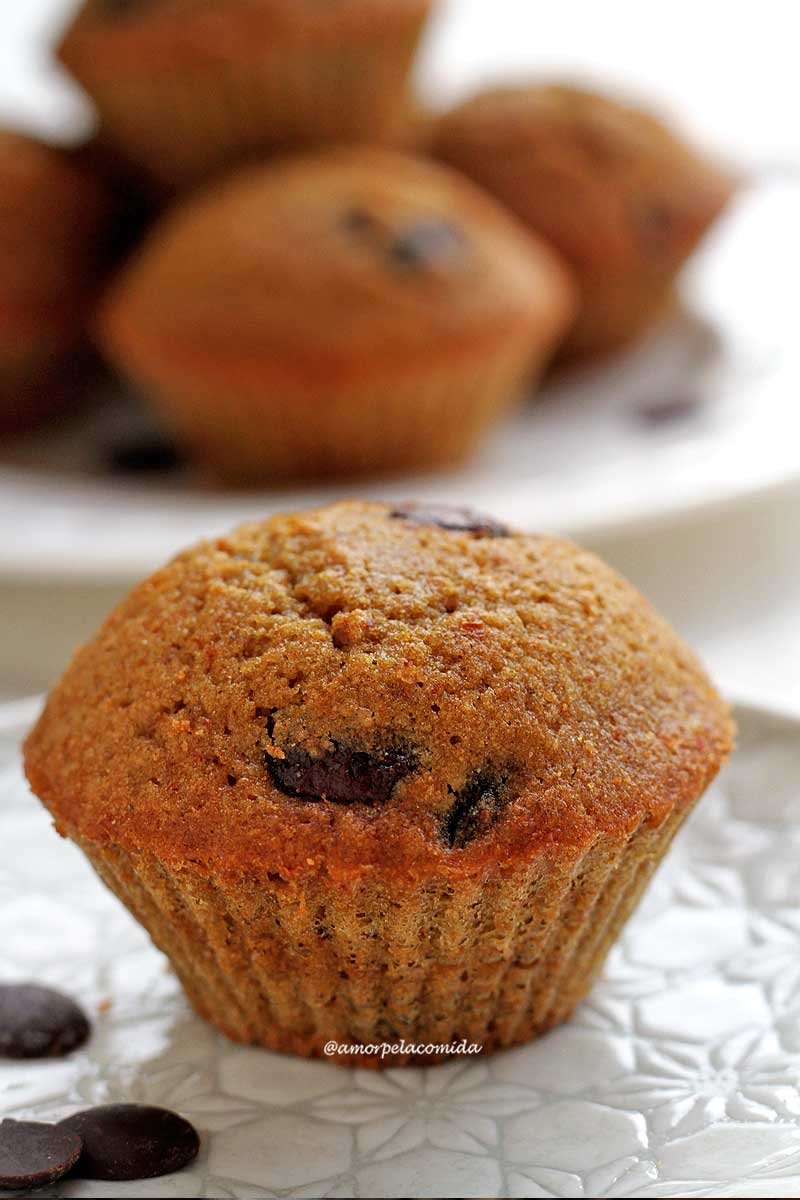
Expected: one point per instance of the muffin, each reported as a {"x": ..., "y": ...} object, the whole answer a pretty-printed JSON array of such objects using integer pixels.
[
  {"x": 380, "y": 773},
  {"x": 617, "y": 192},
  {"x": 187, "y": 88},
  {"x": 54, "y": 224},
  {"x": 356, "y": 310}
]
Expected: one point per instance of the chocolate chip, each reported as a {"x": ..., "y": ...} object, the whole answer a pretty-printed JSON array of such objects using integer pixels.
[
  {"x": 359, "y": 221},
  {"x": 427, "y": 242},
  {"x": 476, "y": 808},
  {"x": 131, "y": 1141},
  {"x": 342, "y": 775},
  {"x": 147, "y": 457},
  {"x": 654, "y": 226},
  {"x": 669, "y": 409},
  {"x": 32, "y": 1154},
  {"x": 446, "y": 516},
  {"x": 37, "y": 1022}
]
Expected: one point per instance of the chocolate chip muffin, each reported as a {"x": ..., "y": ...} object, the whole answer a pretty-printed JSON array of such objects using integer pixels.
[
  {"x": 188, "y": 88},
  {"x": 351, "y": 311},
  {"x": 621, "y": 196},
  {"x": 380, "y": 772},
  {"x": 55, "y": 222}
]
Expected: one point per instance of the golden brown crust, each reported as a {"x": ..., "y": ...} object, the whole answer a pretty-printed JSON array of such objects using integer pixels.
[
  {"x": 364, "y": 260},
  {"x": 352, "y": 310},
  {"x": 55, "y": 219},
  {"x": 615, "y": 190},
  {"x": 192, "y": 20},
  {"x": 511, "y": 699},
  {"x": 189, "y": 88}
]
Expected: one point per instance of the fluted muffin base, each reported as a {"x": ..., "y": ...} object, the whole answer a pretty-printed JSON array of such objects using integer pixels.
[{"x": 496, "y": 962}]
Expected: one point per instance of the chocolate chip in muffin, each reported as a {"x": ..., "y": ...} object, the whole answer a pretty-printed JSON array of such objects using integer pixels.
[
  {"x": 343, "y": 775},
  {"x": 654, "y": 225},
  {"x": 131, "y": 1141},
  {"x": 476, "y": 808},
  {"x": 447, "y": 516},
  {"x": 427, "y": 242},
  {"x": 33, "y": 1155},
  {"x": 359, "y": 221},
  {"x": 37, "y": 1022}
]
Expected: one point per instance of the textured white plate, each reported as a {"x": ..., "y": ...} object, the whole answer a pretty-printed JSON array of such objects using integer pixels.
[
  {"x": 680, "y": 1076},
  {"x": 581, "y": 459}
]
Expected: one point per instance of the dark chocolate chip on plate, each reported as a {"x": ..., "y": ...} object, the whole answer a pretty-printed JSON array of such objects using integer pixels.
[
  {"x": 33, "y": 1155},
  {"x": 38, "y": 1022},
  {"x": 447, "y": 516},
  {"x": 131, "y": 1141},
  {"x": 151, "y": 456},
  {"x": 343, "y": 775},
  {"x": 669, "y": 410}
]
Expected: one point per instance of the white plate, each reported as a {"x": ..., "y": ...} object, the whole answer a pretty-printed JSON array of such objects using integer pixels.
[
  {"x": 582, "y": 459},
  {"x": 679, "y": 1076}
]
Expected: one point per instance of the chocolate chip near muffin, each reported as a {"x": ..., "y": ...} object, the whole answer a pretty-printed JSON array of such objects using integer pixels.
[
  {"x": 146, "y": 456},
  {"x": 449, "y": 516},
  {"x": 459, "y": 754},
  {"x": 33, "y": 1155},
  {"x": 38, "y": 1022},
  {"x": 130, "y": 1141},
  {"x": 422, "y": 308}
]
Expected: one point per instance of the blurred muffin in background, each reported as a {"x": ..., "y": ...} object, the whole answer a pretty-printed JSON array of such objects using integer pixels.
[
  {"x": 187, "y": 88},
  {"x": 622, "y": 197},
  {"x": 55, "y": 226},
  {"x": 354, "y": 310},
  {"x": 135, "y": 206}
]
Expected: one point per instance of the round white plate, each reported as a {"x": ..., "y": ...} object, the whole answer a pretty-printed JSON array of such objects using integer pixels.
[
  {"x": 707, "y": 412},
  {"x": 582, "y": 458},
  {"x": 679, "y": 1076}
]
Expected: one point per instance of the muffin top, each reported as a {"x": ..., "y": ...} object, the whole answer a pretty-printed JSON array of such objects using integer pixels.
[
  {"x": 409, "y": 689},
  {"x": 609, "y": 184},
  {"x": 334, "y": 265},
  {"x": 54, "y": 222}
]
